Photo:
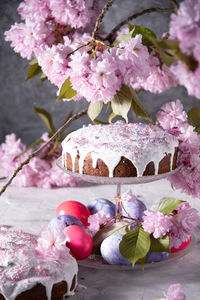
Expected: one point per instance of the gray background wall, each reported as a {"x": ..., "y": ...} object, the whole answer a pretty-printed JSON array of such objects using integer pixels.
[{"x": 17, "y": 98}]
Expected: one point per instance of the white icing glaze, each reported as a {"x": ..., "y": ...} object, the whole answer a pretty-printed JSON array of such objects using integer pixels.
[
  {"x": 140, "y": 143},
  {"x": 21, "y": 267}
]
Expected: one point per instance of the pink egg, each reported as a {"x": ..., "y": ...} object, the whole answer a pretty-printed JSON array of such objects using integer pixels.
[
  {"x": 76, "y": 209},
  {"x": 181, "y": 247},
  {"x": 79, "y": 241}
]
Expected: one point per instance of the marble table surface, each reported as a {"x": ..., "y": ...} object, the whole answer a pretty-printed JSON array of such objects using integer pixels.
[{"x": 30, "y": 209}]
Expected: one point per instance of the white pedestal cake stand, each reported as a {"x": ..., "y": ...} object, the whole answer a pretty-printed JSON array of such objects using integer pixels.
[
  {"x": 95, "y": 261},
  {"x": 115, "y": 180}
]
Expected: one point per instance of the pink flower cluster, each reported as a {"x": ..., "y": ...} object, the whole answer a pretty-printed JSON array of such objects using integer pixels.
[
  {"x": 157, "y": 223},
  {"x": 41, "y": 171},
  {"x": 184, "y": 220},
  {"x": 179, "y": 224},
  {"x": 54, "y": 28},
  {"x": 95, "y": 221},
  {"x": 174, "y": 292},
  {"x": 52, "y": 244},
  {"x": 185, "y": 27},
  {"x": 99, "y": 78},
  {"x": 47, "y": 22},
  {"x": 173, "y": 118},
  {"x": 160, "y": 77}
]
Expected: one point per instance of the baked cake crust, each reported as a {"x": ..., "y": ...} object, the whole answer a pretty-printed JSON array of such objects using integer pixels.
[{"x": 120, "y": 150}]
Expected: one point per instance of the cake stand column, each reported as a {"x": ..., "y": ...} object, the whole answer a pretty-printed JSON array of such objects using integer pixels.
[{"x": 118, "y": 200}]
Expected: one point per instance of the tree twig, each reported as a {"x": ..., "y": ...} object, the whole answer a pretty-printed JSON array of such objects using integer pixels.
[
  {"x": 136, "y": 15},
  {"x": 175, "y": 4},
  {"x": 100, "y": 17},
  {"x": 72, "y": 52},
  {"x": 56, "y": 134}
]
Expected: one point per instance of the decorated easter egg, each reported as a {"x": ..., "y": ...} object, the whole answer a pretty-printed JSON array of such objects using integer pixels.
[
  {"x": 156, "y": 256},
  {"x": 105, "y": 206},
  {"x": 79, "y": 241},
  {"x": 74, "y": 208},
  {"x": 110, "y": 250},
  {"x": 62, "y": 221},
  {"x": 131, "y": 206},
  {"x": 183, "y": 246}
]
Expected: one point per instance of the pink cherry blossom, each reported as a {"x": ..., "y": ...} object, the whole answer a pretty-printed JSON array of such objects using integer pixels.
[
  {"x": 128, "y": 196},
  {"x": 95, "y": 221},
  {"x": 174, "y": 292},
  {"x": 52, "y": 244},
  {"x": 34, "y": 10},
  {"x": 75, "y": 13},
  {"x": 187, "y": 78},
  {"x": 54, "y": 63},
  {"x": 190, "y": 140},
  {"x": 160, "y": 77},
  {"x": 171, "y": 116},
  {"x": 133, "y": 60},
  {"x": 184, "y": 222},
  {"x": 156, "y": 222},
  {"x": 41, "y": 171},
  {"x": 185, "y": 26},
  {"x": 95, "y": 79}
]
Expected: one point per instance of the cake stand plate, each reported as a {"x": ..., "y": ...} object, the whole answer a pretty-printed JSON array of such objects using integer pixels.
[
  {"x": 115, "y": 180},
  {"x": 97, "y": 262}
]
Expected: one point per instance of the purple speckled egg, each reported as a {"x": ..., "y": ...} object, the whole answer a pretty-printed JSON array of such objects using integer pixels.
[
  {"x": 104, "y": 205},
  {"x": 110, "y": 250},
  {"x": 62, "y": 221}
]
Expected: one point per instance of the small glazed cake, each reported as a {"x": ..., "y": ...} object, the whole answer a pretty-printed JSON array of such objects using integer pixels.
[
  {"x": 26, "y": 275},
  {"x": 120, "y": 150}
]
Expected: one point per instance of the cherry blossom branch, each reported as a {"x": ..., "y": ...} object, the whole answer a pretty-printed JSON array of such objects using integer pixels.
[
  {"x": 35, "y": 153},
  {"x": 72, "y": 52},
  {"x": 175, "y": 4},
  {"x": 100, "y": 17},
  {"x": 96, "y": 28},
  {"x": 136, "y": 15}
]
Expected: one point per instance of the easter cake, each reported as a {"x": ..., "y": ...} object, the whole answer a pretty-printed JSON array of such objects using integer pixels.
[
  {"x": 120, "y": 150},
  {"x": 26, "y": 274}
]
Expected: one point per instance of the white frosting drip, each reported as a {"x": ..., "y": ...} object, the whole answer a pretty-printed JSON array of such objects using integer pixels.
[
  {"x": 21, "y": 268},
  {"x": 140, "y": 143}
]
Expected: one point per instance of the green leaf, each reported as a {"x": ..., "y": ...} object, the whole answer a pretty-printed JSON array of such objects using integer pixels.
[
  {"x": 135, "y": 245},
  {"x": 33, "y": 70},
  {"x": 46, "y": 118},
  {"x": 167, "y": 44},
  {"x": 108, "y": 106},
  {"x": 97, "y": 122},
  {"x": 167, "y": 58},
  {"x": 142, "y": 262},
  {"x": 66, "y": 91},
  {"x": 43, "y": 77},
  {"x": 94, "y": 110},
  {"x": 160, "y": 245},
  {"x": 194, "y": 117},
  {"x": 197, "y": 129},
  {"x": 119, "y": 227},
  {"x": 169, "y": 51},
  {"x": 168, "y": 205},
  {"x": 147, "y": 34},
  {"x": 121, "y": 103},
  {"x": 138, "y": 108},
  {"x": 123, "y": 37},
  {"x": 111, "y": 116}
]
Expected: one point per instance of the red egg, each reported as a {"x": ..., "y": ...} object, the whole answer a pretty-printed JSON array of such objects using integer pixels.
[
  {"x": 79, "y": 241},
  {"x": 76, "y": 209},
  {"x": 181, "y": 247}
]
